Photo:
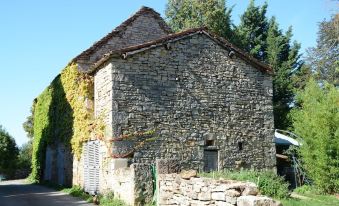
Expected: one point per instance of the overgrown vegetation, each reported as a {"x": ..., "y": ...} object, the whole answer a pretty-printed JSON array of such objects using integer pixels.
[
  {"x": 62, "y": 113},
  {"x": 269, "y": 183},
  {"x": 316, "y": 120}
]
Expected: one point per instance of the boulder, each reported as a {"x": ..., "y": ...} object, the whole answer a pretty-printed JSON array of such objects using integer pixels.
[
  {"x": 255, "y": 201},
  {"x": 187, "y": 174}
]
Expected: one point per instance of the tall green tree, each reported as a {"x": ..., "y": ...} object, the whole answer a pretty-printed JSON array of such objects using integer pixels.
[
  {"x": 324, "y": 58},
  {"x": 25, "y": 157},
  {"x": 185, "y": 14},
  {"x": 252, "y": 30},
  {"x": 283, "y": 56},
  {"x": 8, "y": 153},
  {"x": 265, "y": 40},
  {"x": 316, "y": 120}
]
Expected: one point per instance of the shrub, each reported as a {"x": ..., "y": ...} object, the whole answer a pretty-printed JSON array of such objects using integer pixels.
[
  {"x": 269, "y": 183},
  {"x": 316, "y": 121}
]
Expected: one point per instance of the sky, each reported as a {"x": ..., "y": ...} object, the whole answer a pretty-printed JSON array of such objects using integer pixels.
[{"x": 39, "y": 37}]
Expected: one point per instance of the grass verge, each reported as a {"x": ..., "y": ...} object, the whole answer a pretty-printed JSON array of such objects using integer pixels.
[{"x": 312, "y": 200}]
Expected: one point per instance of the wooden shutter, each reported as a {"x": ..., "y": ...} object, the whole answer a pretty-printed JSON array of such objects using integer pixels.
[{"x": 91, "y": 166}]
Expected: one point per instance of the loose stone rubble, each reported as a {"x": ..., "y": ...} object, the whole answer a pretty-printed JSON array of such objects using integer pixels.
[{"x": 196, "y": 191}]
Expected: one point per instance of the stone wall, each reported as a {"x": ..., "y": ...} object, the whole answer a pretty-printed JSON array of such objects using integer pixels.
[
  {"x": 191, "y": 94},
  {"x": 130, "y": 183},
  {"x": 145, "y": 26},
  {"x": 173, "y": 190}
]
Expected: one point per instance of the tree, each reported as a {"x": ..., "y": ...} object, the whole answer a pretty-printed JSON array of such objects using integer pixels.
[
  {"x": 316, "y": 121},
  {"x": 185, "y": 14},
  {"x": 25, "y": 157},
  {"x": 28, "y": 125},
  {"x": 284, "y": 58},
  {"x": 324, "y": 58},
  {"x": 8, "y": 153},
  {"x": 266, "y": 41},
  {"x": 252, "y": 30}
]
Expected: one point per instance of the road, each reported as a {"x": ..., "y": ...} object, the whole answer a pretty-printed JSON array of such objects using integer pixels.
[{"x": 19, "y": 193}]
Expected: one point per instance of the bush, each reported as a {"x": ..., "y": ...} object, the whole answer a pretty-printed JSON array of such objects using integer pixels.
[
  {"x": 316, "y": 121},
  {"x": 269, "y": 183}
]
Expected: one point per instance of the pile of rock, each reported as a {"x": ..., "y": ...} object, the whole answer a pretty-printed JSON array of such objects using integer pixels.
[{"x": 189, "y": 190}]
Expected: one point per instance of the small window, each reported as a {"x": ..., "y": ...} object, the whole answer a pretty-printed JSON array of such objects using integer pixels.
[
  {"x": 209, "y": 143},
  {"x": 240, "y": 146}
]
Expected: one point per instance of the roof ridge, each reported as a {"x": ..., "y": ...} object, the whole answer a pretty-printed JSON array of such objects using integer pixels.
[
  {"x": 221, "y": 41},
  {"x": 122, "y": 27}
]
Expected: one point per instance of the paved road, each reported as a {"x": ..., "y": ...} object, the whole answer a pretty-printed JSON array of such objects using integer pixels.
[{"x": 19, "y": 193}]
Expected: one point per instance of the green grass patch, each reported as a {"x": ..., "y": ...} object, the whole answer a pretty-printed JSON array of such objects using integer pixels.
[
  {"x": 77, "y": 191},
  {"x": 109, "y": 200},
  {"x": 312, "y": 200},
  {"x": 268, "y": 182}
]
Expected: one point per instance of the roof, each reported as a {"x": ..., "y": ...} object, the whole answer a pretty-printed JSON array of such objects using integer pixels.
[
  {"x": 121, "y": 28},
  {"x": 281, "y": 139},
  {"x": 177, "y": 36}
]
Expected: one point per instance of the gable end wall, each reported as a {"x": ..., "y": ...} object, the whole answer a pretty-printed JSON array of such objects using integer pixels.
[
  {"x": 188, "y": 94},
  {"x": 143, "y": 29}
]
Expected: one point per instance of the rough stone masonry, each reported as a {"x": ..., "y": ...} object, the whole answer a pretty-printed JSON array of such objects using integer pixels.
[{"x": 196, "y": 96}]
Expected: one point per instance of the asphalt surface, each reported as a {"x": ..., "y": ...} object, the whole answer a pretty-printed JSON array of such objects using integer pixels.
[{"x": 19, "y": 193}]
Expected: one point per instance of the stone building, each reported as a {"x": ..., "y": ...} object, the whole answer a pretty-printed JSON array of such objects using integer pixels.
[{"x": 190, "y": 96}]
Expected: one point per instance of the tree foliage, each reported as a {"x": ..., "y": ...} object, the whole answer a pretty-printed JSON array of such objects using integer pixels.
[
  {"x": 252, "y": 30},
  {"x": 324, "y": 58},
  {"x": 185, "y": 14},
  {"x": 8, "y": 153},
  {"x": 28, "y": 125},
  {"x": 316, "y": 120},
  {"x": 25, "y": 156}
]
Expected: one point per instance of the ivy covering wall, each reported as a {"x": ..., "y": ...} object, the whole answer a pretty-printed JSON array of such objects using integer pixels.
[{"x": 63, "y": 114}]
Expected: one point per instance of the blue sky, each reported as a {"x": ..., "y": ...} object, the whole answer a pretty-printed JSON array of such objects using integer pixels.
[{"x": 39, "y": 37}]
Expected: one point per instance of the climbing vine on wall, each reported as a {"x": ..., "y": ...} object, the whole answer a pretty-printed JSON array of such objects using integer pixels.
[{"x": 63, "y": 113}]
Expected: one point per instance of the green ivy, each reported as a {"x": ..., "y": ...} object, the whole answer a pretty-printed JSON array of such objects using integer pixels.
[{"x": 63, "y": 113}]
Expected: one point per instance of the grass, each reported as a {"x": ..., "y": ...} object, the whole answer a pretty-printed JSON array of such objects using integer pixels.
[
  {"x": 312, "y": 200},
  {"x": 109, "y": 200},
  {"x": 77, "y": 191}
]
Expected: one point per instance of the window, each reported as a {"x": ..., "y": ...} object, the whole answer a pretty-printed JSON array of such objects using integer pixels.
[{"x": 240, "y": 146}]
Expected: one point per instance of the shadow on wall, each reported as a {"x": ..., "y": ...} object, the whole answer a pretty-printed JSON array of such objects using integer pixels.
[{"x": 55, "y": 154}]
